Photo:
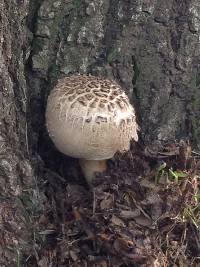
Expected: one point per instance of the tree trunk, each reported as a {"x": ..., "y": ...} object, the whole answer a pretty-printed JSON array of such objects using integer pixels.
[
  {"x": 20, "y": 199},
  {"x": 150, "y": 47}
]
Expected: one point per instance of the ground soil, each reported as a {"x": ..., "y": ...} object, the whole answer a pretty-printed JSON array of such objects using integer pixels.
[{"x": 134, "y": 214}]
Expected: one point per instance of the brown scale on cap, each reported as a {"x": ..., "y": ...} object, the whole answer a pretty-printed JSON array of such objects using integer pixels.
[{"x": 90, "y": 118}]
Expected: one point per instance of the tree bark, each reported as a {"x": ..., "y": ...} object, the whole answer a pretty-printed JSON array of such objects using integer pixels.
[
  {"x": 20, "y": 201},
  {"x": 150, "y": 47}
]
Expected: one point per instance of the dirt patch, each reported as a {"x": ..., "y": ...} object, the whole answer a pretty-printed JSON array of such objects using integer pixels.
[{"x": 144, "y": 211}]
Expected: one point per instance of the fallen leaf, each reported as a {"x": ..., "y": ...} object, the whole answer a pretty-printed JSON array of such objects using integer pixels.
[
  {"x": 117, "y": 221},
  {"x": 107, "y": 202},
  {"x": 129, "y": 214},
  {"x": 143, "y": 221},
  {"x": 73, "y": 255}
]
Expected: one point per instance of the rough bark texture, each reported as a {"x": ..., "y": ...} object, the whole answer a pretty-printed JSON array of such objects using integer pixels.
[
  {"x": 151, "y": 47},
  {"x": 20, "y": 199}
]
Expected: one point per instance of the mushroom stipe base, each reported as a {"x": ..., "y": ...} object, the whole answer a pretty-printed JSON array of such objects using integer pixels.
[{"x": 91, "y": 167}]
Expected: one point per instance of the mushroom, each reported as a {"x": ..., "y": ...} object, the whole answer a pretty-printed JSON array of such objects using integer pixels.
[{"x": 90, "y": 118}]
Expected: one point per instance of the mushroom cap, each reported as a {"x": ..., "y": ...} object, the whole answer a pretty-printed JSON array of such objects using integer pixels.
[{"x": 89, "y": 117}]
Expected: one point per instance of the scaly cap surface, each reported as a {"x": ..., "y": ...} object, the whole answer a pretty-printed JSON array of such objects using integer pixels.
[{"x": 89, "y": 117}]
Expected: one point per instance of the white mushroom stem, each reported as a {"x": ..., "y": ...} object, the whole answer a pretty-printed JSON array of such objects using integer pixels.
[{"x": 90, "y": 167}]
